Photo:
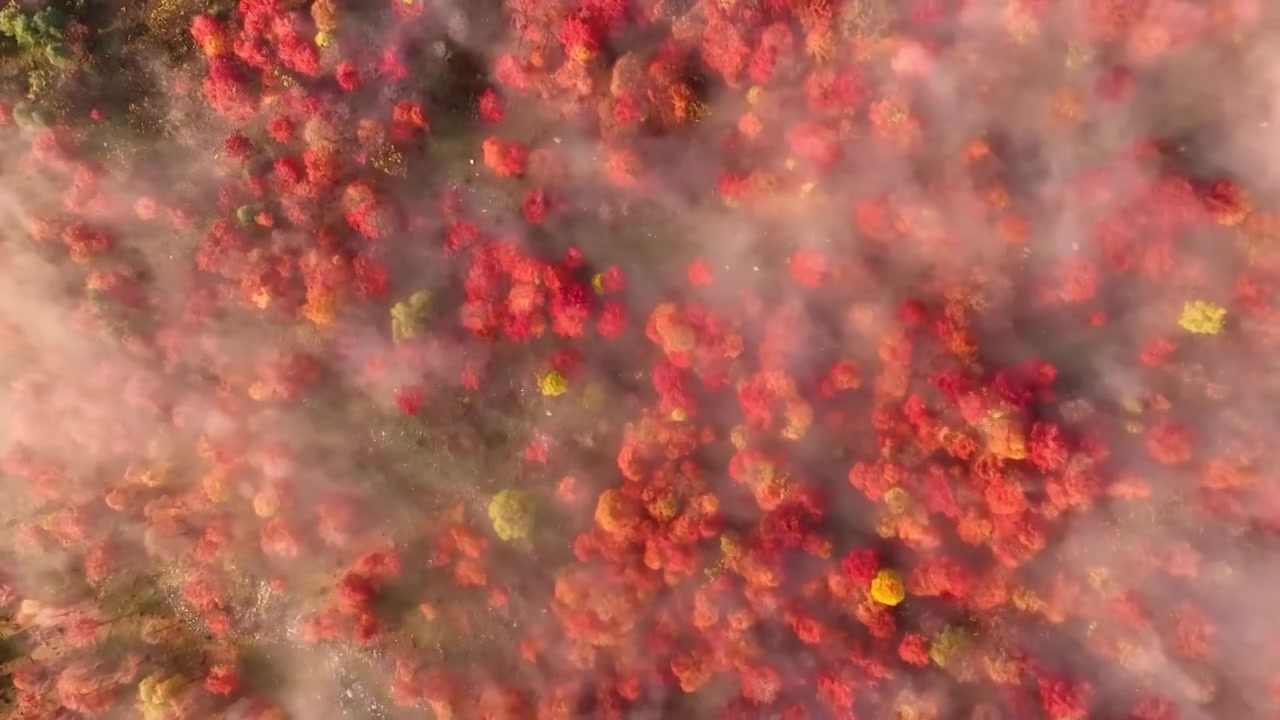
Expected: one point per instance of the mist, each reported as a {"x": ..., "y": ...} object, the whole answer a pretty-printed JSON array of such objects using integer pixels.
[{"x": 638, "y": 359}]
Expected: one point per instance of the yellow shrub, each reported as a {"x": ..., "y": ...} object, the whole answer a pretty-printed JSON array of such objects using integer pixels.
[
  {"x": 1202, "y": 317},
  {"x": 887, "y": 588}
]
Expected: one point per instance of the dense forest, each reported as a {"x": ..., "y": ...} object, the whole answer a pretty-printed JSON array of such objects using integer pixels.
[{"x": 557, "y": 359}]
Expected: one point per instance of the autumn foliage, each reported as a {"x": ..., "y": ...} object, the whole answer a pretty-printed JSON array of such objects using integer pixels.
[{"x": 441, "y": 392}]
